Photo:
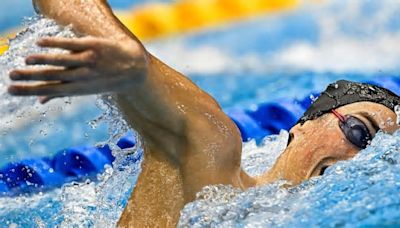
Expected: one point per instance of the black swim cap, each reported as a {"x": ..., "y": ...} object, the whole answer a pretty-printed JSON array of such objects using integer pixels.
[{"x": 345, "y": 92}]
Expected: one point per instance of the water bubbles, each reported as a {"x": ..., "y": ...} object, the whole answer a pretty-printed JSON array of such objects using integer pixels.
[
  {"x": 356, "y": 192},
  {"x": 43, "y": 132},
  {"x": 20, "y": 47},
  {"x": 39, "y": 223},
  {"x": 94, "y": 123},
  {"x": 313, "y": 98},
  {"x": 78, "y": 201},
  {"x": 257, "y": 159},
  {"x": 76, "y": 204},
  {"x": 397, "y": 111},
  {"x": 31, "y": 142}
]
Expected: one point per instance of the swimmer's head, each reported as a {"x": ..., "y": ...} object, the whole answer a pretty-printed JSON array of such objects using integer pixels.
[
  {"x": 345, "y": 92},
  {"x": 341, "y": 122}
]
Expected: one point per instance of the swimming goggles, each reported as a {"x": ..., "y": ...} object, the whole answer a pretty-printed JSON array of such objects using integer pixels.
[{"x": 354, "y": 129}]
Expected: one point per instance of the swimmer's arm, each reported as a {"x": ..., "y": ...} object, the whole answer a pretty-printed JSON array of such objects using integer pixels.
[
  {"x": 189, "y": 141},
  {"x": 79, "y": 13},
  {"x": 164, "y": 106}
]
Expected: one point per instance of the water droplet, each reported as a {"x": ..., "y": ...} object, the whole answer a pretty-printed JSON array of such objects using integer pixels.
[
  {"x": 313, "y": 98},
  {"x": 397, "y": 111}
]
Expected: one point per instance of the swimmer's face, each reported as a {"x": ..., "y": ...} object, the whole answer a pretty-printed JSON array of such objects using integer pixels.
[{"x": 319, "y": 143}]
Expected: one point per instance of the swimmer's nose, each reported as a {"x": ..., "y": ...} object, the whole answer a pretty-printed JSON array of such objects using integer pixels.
[{"x": 296, "y": 130}]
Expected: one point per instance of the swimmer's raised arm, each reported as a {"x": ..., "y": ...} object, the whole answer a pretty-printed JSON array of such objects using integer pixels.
[
  {"x": 103, "y": 23},
  {"x": 189, "y": 142}
]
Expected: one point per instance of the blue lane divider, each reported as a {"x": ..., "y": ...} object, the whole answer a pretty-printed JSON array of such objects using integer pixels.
[
  {"x": 307, "y": 101},
  {"x": 3, "y": 187},
  {"x": 79, "y": 162},
  {"x": 248, "y": 126},
  {"x": 76, "y": 163},
  {"x": 28, "y": 174},
  {"x": 72, "y": 164},
  {"x": 284, "y": 114},
  {"x": 269, "y": 118}
]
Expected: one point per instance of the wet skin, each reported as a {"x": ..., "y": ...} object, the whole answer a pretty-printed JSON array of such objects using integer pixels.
[
  {"x": 319, "y": 143},
  {"x": 189, "y": 142}
]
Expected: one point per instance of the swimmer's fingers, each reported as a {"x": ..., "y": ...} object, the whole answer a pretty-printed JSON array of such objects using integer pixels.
[
  {"x": 47, "y": 91},
  {"x": 45, "y": 99},
  {"x": 75, "y": 74},
  {"x": 86, "y": 58},
  {"x": 72, "y": 44},
  {"x": 62, "y": 89}
]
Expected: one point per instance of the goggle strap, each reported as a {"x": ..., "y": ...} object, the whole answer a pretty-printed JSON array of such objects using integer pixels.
[{"x": 339, "y": 116}]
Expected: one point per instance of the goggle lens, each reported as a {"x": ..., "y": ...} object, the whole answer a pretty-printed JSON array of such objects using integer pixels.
[{"x": 354, "y": 129}]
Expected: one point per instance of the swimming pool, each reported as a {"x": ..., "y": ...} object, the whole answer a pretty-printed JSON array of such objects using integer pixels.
[{"x": 241, "y": 65}]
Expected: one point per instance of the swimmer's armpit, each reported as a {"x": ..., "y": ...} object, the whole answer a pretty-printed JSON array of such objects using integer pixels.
[{"x": 93, "y": 65}]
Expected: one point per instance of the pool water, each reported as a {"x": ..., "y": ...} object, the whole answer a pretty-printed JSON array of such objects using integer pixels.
[{"x": 286, "y": 55}]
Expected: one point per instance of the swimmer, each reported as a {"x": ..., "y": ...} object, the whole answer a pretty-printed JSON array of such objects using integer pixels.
[{"x": 189, "y": 142}]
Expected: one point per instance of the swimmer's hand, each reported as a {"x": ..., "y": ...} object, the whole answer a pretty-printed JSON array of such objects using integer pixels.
[{"x": 92, "y": 66}]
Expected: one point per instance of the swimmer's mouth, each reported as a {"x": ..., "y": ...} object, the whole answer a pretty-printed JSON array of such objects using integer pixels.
[
  {"x": 320, "y": 168},
  {"x": 322, "y": 171}
]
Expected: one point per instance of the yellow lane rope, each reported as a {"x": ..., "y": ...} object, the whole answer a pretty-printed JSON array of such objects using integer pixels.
[
  {"x": 3, "y": 45},
  {"x": 161, "y": 19},
  {"x": 158, "y": 20}
]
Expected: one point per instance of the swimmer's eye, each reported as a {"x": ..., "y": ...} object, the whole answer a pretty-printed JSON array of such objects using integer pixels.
[{"x": 356, "y": 131}]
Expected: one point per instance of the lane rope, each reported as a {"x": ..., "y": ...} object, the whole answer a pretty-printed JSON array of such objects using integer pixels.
[{"x": 157, "y": 20}]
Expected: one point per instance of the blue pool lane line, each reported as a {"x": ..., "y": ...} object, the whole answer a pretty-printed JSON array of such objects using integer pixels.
[
  {"x": 72, "y": 164},
  {"x": 269, "y": 118},
  {"x": 79, "y": 163}
]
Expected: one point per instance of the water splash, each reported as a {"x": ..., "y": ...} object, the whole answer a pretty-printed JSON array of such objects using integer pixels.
[
  {"x": 87, "y": 204},
  {"x": 359, "y": 192},
  {"x": 21, "y": 47},
  {"x": 256, "y": 159},
  {"x": 27, "y": 125}
]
